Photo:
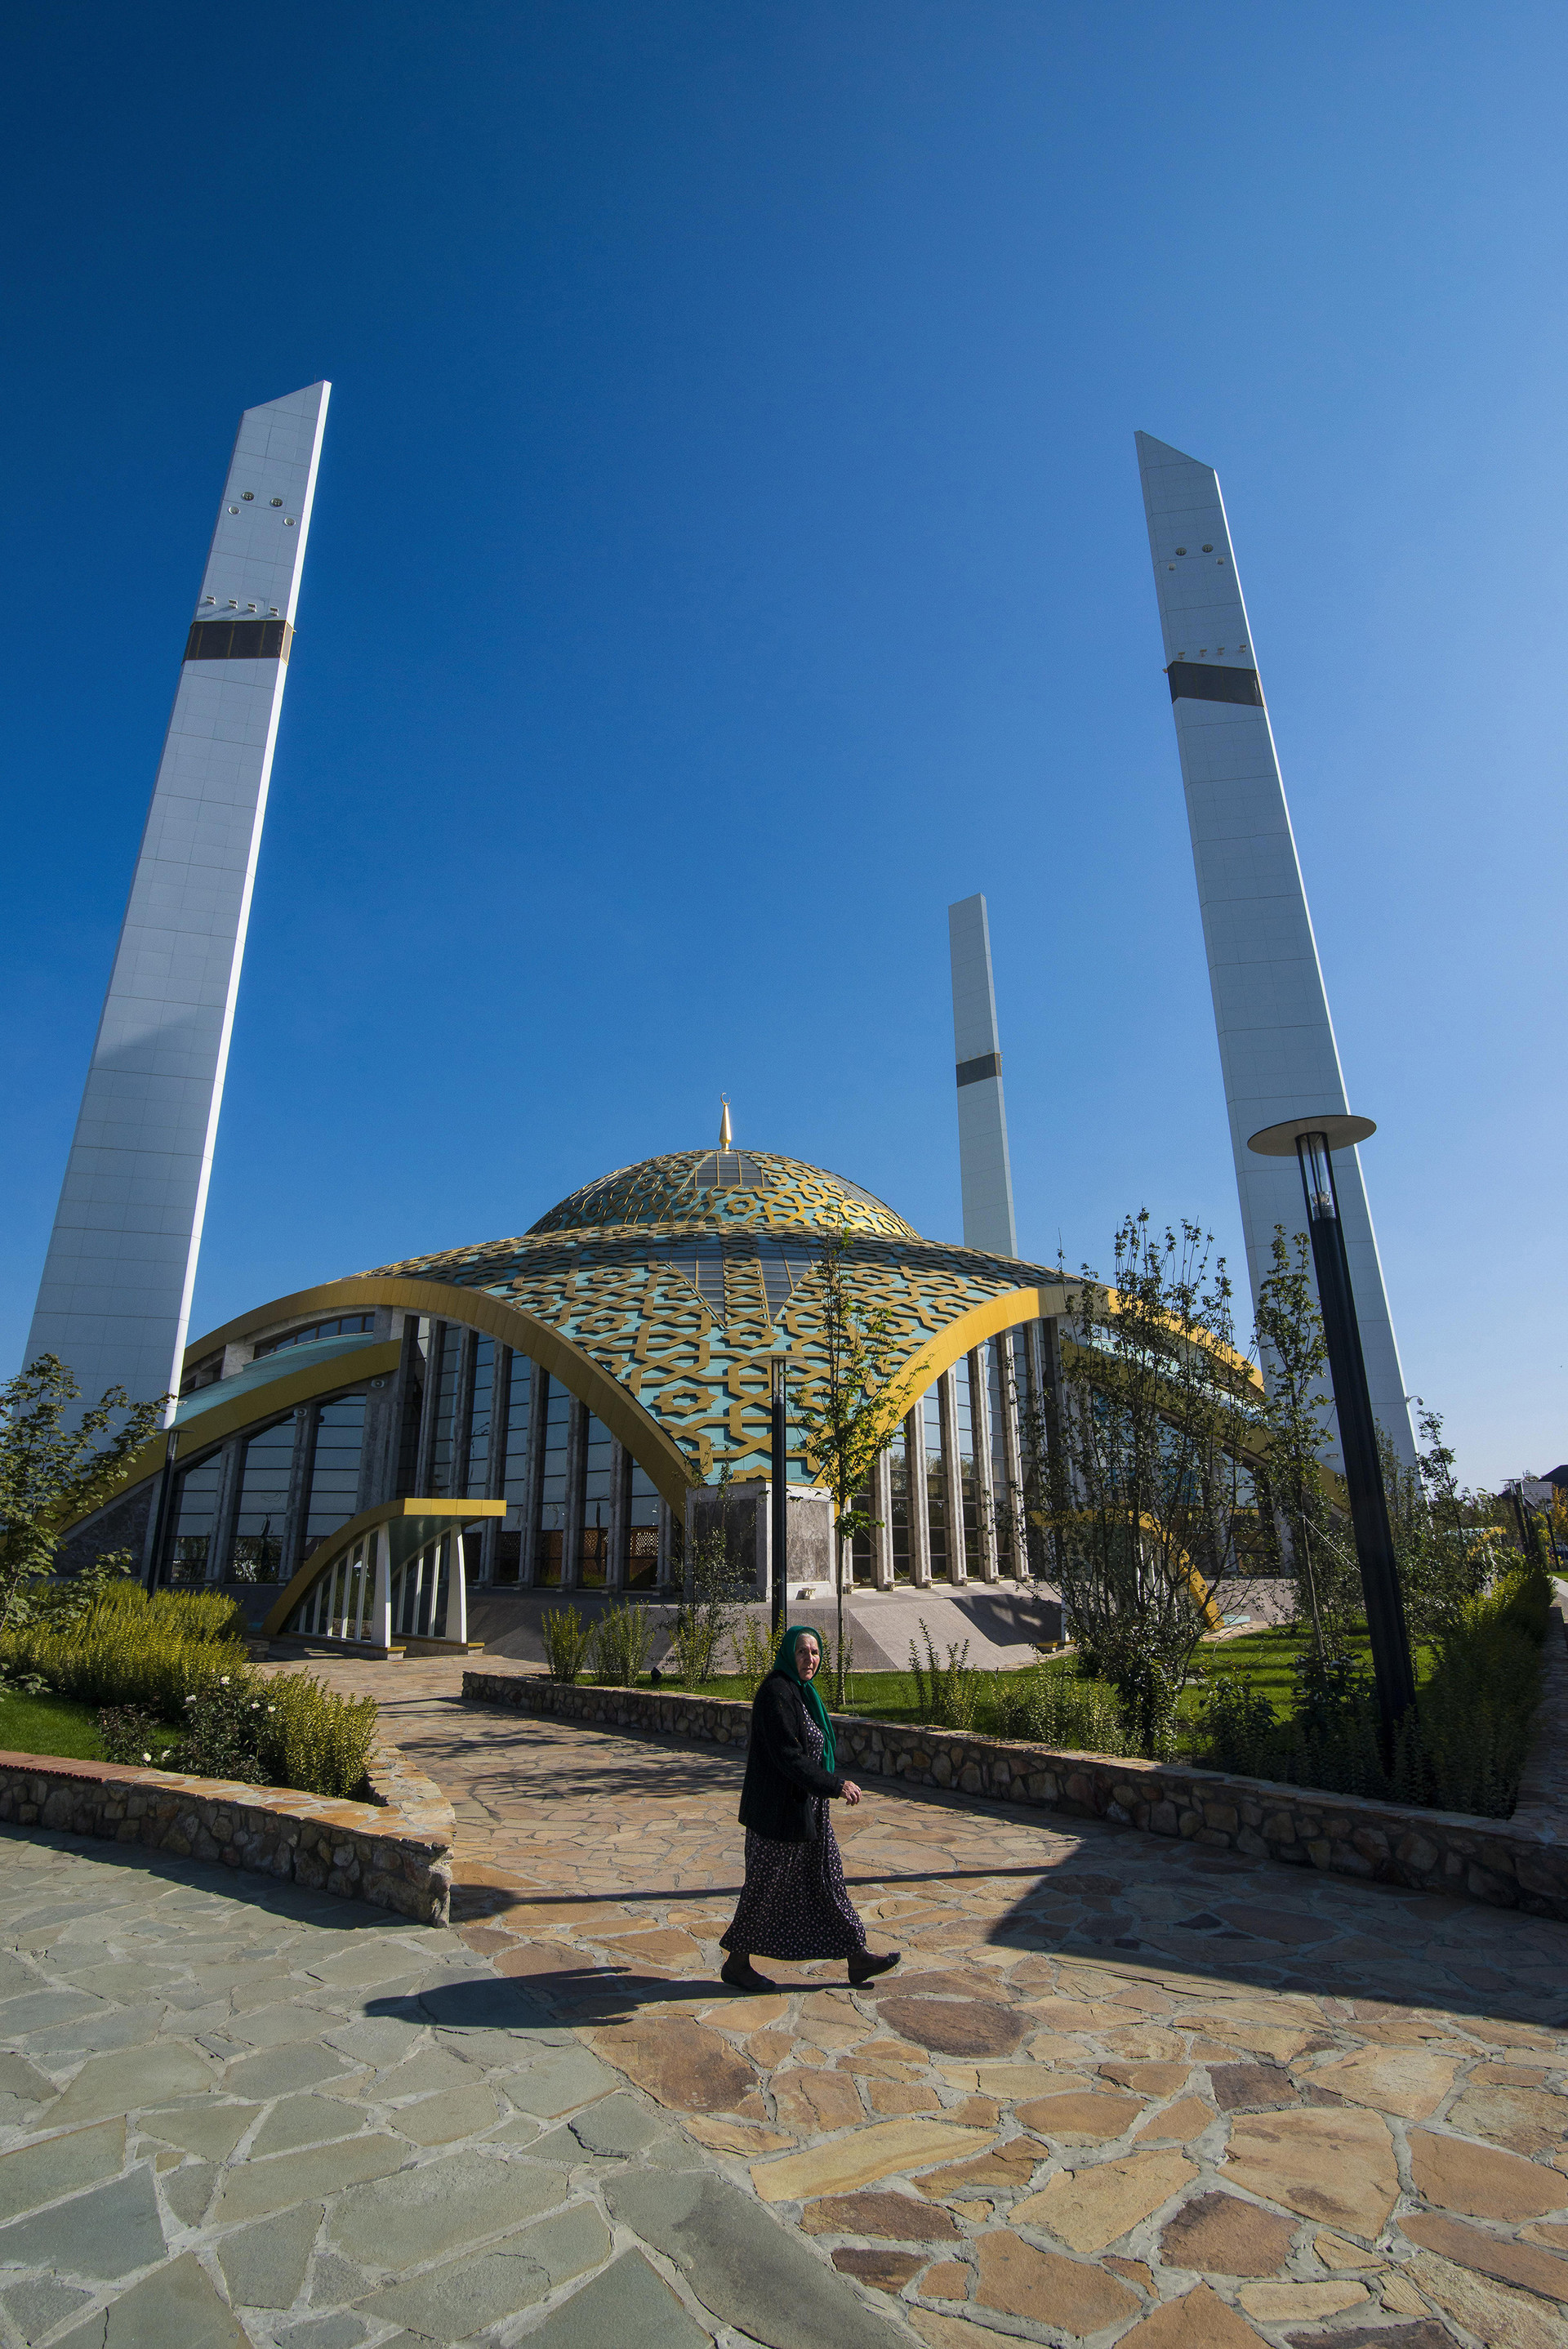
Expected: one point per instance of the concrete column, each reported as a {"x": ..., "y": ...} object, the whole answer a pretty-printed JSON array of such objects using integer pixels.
[
  {"x": 1054, "y": 1408},
  {"x": 226, "y": 1509},
  {"x": 456, "y": 1593},
  {"x": 666, "y": 1575},
  {"x": 467, "y": 1342},
  {"x": 495, "y": 1470},
  {"x": 576, "y": 1460},
  {"x": 980, "y": 1429},
  {"x": 919, "y": 1507},
  {"x": 382, "y": 1397},
  {"x": 424, "y": 1472},
  {"x": 306, "y": 1421},
  {"x": 619, "y": 1508},
  {"x": 500, "y": 1412},
  {"x": 881, "y": 1509},
  {"x": 952, "y": 1478},
  {"x": 528, "y": 1554},
  {"x": 381, "y": 1608},
  {"x": 1012, "y": 1501},
  {"x": 381, "y": 1462}
]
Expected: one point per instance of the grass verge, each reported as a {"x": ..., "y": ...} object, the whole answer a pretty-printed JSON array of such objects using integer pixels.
[{"x": 49, "y": 1724}]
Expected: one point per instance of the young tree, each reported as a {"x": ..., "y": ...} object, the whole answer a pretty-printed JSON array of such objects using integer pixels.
[
  {"x": 1145, "y": 1479},
  {"x": 1298, "y": 1526},
  {"x": 855, "y": 1417},
  {"x": 1448, "y": 1542},
  {"x": 51, "y": 1475}
]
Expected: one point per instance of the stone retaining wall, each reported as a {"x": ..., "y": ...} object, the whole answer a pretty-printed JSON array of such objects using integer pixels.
[
  {"x": 1508, "y": 1863},
  {"x": 394, "y": 1850}
]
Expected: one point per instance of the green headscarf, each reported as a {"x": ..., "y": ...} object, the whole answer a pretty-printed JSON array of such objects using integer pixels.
[{"x": 784, "y": 1662}]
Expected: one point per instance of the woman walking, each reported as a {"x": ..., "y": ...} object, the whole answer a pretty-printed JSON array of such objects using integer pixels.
[{"x": 793, "y": 1903}]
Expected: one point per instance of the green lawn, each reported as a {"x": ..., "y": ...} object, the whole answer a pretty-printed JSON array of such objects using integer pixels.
[
  {"x": 49, "y": 1724},
  {"x": 1267, "y": 1659},
  {"x": 882, "y": 1696}
]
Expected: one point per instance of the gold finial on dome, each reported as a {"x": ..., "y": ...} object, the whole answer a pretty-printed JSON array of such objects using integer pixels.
[{"x": 726, "y": 1140}]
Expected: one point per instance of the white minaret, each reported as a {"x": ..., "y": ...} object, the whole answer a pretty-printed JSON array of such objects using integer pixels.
[
  {"x": 986, "y": 1176},
  {"x": 1277, "y": 1050},
  {"x": 115, "y": 1300}
]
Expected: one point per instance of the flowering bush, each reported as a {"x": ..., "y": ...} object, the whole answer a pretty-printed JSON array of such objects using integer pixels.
[
  {"x": 225, "y": 1729},
  {"x": 131, "y": 1735},
  {"x": 286, "y": 1732}
]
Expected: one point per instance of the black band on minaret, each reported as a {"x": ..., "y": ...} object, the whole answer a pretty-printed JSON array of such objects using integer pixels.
[
  {"x": 1195, "y": 682},
  {"x": 238, "y": 640},
  {"x": 972, "y": 1072}
]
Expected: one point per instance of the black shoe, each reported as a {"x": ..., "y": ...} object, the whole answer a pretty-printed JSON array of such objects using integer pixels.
[
  {"x": 863, "y": 1967},
  {"x": 741, "y": 1974}
]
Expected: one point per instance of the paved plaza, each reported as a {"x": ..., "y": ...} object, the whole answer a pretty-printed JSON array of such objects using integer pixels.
[{"x": 1120, "y": 2089}]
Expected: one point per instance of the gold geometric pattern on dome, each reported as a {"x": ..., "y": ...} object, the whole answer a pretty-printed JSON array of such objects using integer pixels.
[
  {"x": 725, "y": 1188},
  {"x": 682, "y": 1312}
]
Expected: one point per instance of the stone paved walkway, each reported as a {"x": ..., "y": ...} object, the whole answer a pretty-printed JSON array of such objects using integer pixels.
[
  {"x": 288, "y": 2119},
  {"x": 1121, "y": 2090}
]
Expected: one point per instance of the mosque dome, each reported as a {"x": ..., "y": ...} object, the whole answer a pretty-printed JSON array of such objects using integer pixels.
[{"x": 723, "y": 1189}]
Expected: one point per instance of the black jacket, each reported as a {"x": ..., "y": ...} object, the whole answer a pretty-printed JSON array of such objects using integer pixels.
[{"x": 780, "y": 1776}]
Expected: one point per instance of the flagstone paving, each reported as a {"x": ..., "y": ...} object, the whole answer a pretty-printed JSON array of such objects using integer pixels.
[
  {"x": 1119, "y": 2090},
  {"x": 294, "y": 2121},
  {"x": 1111, "y": 2072}
]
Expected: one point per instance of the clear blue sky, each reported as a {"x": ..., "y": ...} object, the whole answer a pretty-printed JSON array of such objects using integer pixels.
[{"x": 728, "y": 550}]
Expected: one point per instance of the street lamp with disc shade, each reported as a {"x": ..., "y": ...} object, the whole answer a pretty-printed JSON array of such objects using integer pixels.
[{"x": 1312, "y": 1139}]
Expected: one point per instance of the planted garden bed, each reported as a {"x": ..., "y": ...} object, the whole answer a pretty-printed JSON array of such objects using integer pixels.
[{"x": 166, "y": 1683}]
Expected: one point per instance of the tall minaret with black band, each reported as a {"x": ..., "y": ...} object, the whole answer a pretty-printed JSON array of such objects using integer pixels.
[
  {"x": 115, "y": 1300},
  {"x": 1277, "y": 1051},
  {"x": 984, "y": 1168}
]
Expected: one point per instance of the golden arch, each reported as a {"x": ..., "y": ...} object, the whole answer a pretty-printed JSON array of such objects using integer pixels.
[
  {"x": 620, "y": 1412},
  {"x": 626, "y": 1419}
]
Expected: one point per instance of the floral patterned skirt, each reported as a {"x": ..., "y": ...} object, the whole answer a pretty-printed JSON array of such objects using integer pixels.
[{"x": 794, "y": 1903}]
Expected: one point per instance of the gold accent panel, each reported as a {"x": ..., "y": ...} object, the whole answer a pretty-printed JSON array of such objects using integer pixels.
[{"x": 386, "y": 1513}]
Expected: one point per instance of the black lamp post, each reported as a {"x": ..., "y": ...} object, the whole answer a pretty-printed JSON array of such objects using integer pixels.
[
  {"x": 780, "y": 1495},
  {"x": 1312, "y": 1140}
]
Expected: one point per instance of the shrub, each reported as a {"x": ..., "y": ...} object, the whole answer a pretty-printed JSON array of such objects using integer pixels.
[
  {"x": 199, "y": 1614},
  {"x": 947, "y": 1694},
  {"x": 174, "y": 1685},
  {"x": 65, "y": 1601},
  {"x": 194, "y": 1614},
  {"x": 751, "y": 1645},
  {"x": 566, "y": 1642},
  {"x": 289, "y": 1731},
  {"x": 694, "y": 1644},
  {"x": 133, "y": 1736},
  {"x": 1012, "y": 1703},
  {"x": 622, "y": 1639},
  {"x": 1462, "y": 1748},
  {"x": 224, "y": 1730},
  {"x": 1476, "y": 1712},
  {"x": 313, "y": 1738},
  {"x": 1237, "y": 1723},
  {"x": 1083, "y": 1715},
  {"x": 126, "y": 1653}
]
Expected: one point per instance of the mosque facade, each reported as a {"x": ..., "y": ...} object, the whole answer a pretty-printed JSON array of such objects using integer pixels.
[{"x": 583, "y": 1385}]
